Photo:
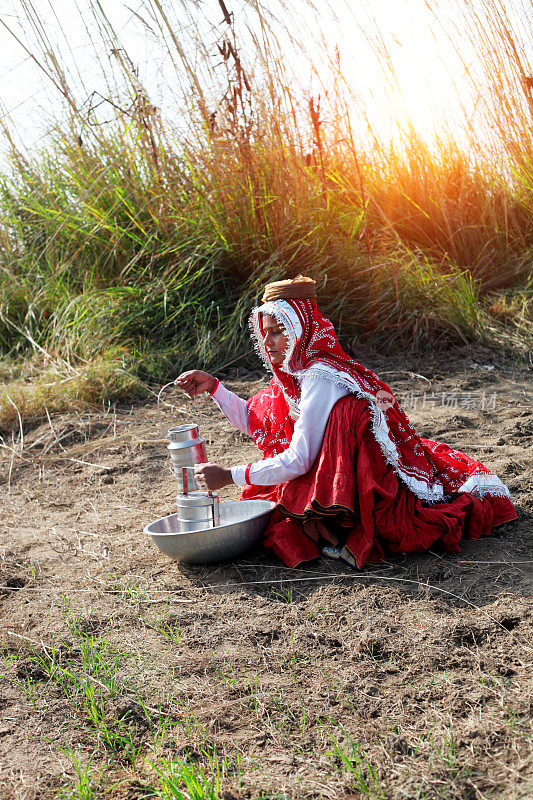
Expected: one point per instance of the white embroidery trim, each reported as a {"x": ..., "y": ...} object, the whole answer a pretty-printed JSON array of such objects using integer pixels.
[{"x": 479, "y": 484}]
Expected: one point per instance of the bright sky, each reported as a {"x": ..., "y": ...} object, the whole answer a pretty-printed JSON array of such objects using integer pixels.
[{"x": 416, "y": 39}]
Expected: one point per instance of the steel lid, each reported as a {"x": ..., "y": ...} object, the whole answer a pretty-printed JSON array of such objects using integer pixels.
[{"x": 185, "y": 435}]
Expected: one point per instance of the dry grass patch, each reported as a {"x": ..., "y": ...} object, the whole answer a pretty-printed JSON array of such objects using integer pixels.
[{"x": 126, "y": 675}]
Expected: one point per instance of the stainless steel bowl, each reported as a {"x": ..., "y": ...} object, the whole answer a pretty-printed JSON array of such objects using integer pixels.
[{"x": 242, "y": 523}]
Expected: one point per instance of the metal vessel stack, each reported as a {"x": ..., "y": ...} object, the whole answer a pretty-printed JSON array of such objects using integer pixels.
[
  {"x": 197, "y": 509},
  {"x": 203, "y": 530}
]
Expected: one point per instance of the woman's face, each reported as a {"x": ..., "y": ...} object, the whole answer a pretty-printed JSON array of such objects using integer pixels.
[{"x": 275, "y": 339}]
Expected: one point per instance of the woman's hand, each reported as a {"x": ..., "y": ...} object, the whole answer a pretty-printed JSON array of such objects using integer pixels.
[
  {"x": 212, "y": 476},
  {"x": 194, "y": 382}
]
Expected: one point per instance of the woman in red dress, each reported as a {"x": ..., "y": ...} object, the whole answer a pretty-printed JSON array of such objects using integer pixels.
[{"x": 348, "y": 472}]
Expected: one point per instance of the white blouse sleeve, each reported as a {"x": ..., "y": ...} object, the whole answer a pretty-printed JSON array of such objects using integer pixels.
[
  {"x": 317, "y": 399},
  {"x": 233, "y": 407}
]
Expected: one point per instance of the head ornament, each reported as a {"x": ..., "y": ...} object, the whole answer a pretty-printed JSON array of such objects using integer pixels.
[{"x": 299, "y": 288}]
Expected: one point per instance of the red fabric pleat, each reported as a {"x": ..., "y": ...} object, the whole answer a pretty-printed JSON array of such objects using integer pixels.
[{"x": 351, "y": 480}]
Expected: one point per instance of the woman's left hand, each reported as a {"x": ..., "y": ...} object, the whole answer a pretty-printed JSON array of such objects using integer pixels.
[{"x": 211, "y": 476}]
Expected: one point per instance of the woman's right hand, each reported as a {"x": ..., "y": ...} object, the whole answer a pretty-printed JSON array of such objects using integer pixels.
[{"x": 194, "y": 382}]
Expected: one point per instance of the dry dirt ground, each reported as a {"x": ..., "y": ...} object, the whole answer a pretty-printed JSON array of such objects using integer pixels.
[{"x": 124, "y": 673}]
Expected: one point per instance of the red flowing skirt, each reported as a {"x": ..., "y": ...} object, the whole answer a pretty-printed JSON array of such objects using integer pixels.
[{"x": 351, "y": 481}]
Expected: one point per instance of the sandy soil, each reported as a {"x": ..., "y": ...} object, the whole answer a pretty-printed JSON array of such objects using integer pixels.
[{"x": 409, "y": 679}]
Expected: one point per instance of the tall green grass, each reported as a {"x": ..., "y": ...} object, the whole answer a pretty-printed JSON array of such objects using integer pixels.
[{"x": 139, "y": 245}]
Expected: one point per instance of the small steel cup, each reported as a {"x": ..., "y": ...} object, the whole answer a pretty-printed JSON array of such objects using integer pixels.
[{"x": 186, "y": 479}]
